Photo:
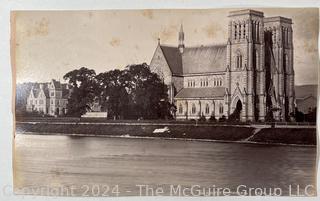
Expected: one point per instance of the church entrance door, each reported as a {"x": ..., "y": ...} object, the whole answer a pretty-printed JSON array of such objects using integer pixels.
[{"x": 238, "y": 109}]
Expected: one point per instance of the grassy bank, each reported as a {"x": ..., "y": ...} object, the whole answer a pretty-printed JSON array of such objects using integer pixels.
[
  {"x": 287, "y": 136},
  {"x": 176, "y": 131},
  {"x": 218, "y": 132}
]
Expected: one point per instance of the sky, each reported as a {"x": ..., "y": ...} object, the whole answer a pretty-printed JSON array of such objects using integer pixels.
[{"x": 48, "y": 44}]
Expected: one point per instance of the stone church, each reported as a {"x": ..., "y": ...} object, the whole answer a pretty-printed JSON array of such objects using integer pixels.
[{"x": 250, "y": 77}]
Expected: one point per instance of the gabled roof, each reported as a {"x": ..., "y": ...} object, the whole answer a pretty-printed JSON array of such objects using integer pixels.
[
  {"x": 193, "y": 60},
  {"x": 216, "y": 92},
  {"x": 65, "y": 88},
  {"x": 173, "y": 58},
  {"x": 204, "y": 59},
  {"x": 36, "y": 89},
  {"x": 301, "y": 100},
  {"x": 56, "y": 84},
  {"x": 304, "y": 91},
  {"x": 35, "y": 92}
]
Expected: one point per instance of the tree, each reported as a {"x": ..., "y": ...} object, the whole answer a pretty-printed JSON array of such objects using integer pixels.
[
  {"x": 113, "y": 93},
  {"x": 212, "y": 118},
  {"x": 148, "y": 93},
  {"x": 299, "y": 116},
  {"x": 83, "y": 92},
  {"x": 134, "y": 92},
  {"x": 312, "y": 115}
]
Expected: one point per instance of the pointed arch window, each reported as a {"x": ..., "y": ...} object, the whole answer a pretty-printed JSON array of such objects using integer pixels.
[
  {"x": 193, "y": 108},
  {"x": 221, "y": 108},
  {"x": 253, "y": 25},
  {"x": 180, "y": 108},
  {"x": 257, "y": 32},
  {"x": 207, "y": 110},
  {"x": 239, "y": 60}
]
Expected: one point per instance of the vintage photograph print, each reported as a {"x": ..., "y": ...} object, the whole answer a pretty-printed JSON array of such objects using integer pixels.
[{"x": 206, "y": 102}]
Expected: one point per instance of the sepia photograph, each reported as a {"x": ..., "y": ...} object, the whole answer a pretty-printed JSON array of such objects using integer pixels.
[{"x": 165, "y": 102}]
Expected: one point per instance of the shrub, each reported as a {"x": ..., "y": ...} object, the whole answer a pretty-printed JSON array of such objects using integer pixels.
[
  {"x": 202, "y": 118},
  {"x": 212, "y": 118},
  {"x": 222, "y": 119}
]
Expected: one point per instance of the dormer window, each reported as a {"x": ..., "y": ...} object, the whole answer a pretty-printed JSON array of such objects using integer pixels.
[{"x": 52, "y": 93}]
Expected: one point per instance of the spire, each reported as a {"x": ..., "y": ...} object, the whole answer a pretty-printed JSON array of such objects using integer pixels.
[{"x": 181, "y": 39}]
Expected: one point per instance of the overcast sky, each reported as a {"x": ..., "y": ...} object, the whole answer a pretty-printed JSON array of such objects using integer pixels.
[{"x": 48, "y": 44}]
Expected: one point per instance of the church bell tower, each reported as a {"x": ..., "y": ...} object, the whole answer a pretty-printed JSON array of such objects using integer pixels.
[
  {"x": 279, "y": 61},
  {"x": 245, "y": 61}
]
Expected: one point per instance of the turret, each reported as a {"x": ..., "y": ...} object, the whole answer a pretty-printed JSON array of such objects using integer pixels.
[{"x": 181, "y": 40}]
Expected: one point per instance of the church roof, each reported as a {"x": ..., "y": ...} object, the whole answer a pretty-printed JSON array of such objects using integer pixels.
[
  {"x": 173, "y": 57},
  {"x": 204, "y": 59},
  {"x": 201, "y": 92},
  {"x": 193, "y": 60}
]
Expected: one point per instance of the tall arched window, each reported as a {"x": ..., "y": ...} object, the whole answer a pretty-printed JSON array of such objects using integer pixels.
[
  {"x": 254, "y": 30},
  {"x": 221, "y": 108},
  {"x": 207, "y": 110},
  {"x": 180, "y": 108},
  {"x": 257, "y": 60},
  {"x": 257, "y": 30},
  {"x": 239, "y": 60},
  {"x": 214, "y": 82},
  {"x": 235, "y": 31},
  {"x": 193, "y": 108}
]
